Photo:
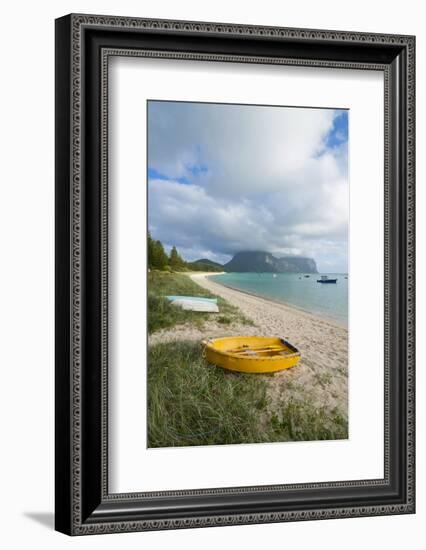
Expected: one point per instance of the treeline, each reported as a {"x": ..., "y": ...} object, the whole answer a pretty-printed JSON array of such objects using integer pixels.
[{"x": 159, "y": 259}]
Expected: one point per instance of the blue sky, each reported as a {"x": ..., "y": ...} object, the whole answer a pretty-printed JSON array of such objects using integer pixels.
[
  {"x": 224, "y": 178},
  {"x": 339, "y": 131}
]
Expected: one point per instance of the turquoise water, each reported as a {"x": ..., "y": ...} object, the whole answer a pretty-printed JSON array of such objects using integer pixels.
[{"x": 326, "y": 300}]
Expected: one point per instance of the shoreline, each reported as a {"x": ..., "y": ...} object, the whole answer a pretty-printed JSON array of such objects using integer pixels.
[
  {"x": 321, "y": 376},
  {"x": 315, "y": 316},
  {"x": 318, "y": 383}
]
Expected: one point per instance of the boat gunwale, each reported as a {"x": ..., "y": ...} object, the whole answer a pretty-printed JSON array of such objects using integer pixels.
[{"x": 296, "y": 353}]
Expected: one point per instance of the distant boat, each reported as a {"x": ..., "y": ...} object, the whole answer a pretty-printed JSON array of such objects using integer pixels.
[
  {"x": 325, "y": 279},
  {"x": 274, "y": 275},
  {"x": 307, "y": 276}
]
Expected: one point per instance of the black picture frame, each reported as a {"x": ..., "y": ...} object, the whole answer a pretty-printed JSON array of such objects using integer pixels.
[{"x": 83, "y": 45}]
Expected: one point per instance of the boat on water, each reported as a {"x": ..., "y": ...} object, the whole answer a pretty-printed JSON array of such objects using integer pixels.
[
  {"x": 326, "y": 279},
  {"x": 251, "y": 354},
  {"x": 306, "y": 276}
]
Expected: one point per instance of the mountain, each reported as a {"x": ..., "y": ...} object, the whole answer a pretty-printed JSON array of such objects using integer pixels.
[
  {"x": 205, "y": 265},
  {"x": 264, "y": 262},
  {"x": 205, "y": 261}
]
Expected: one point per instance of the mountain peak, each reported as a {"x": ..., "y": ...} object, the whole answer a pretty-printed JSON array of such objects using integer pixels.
[{"x": 259, "y": 261}]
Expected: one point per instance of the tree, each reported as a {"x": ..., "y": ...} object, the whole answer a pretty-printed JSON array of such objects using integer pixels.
[
  {"x": 161, "y": 259},
  {"x": 157, "y": 257},
  {"x": 151, "y": 251},
  {"x": 175, "y": 260}
]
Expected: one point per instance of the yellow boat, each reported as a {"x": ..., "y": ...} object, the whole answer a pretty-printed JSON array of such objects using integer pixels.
[{"x": 251, "y": 353}]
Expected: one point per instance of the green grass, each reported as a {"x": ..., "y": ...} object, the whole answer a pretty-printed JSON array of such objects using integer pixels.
[
  {"x": 162, "y": 314},
  {"x": 193, "y": 403},
  {"x": 300, "y": 421}
]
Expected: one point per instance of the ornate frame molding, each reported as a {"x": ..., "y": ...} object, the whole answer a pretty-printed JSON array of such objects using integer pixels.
[{"x": 72, "y": 47}]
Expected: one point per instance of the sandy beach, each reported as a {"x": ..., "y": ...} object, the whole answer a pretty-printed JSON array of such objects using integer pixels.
[{"x": 322, "y": 374}]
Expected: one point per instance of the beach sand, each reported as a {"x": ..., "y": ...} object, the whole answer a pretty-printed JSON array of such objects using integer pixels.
[{"x": 322, "y": 373}]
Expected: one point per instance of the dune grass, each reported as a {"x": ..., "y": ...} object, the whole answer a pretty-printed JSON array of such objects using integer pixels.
[
  {"x": 300, "y": 421},
  {"x": 162, "y": 314},
  {"x": 193, "y": 403}
]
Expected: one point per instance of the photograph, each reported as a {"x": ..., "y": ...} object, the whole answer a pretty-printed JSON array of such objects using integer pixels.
[
  {"x": 234, "y": 273},
  {"x": 248, "y": 273}
]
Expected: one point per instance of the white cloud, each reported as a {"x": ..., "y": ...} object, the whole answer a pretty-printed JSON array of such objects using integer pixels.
[{"x": 256, "y": 178}]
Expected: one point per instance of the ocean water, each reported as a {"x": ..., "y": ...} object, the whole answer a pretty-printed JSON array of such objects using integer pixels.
[{"x": 326, "y": 300}]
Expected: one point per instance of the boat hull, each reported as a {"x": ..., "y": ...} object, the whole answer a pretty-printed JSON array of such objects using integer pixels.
[
  {"x": 328, "y": 281},
  {"x": 195, "y": 303},
  {"x": 251, "y": 354}
]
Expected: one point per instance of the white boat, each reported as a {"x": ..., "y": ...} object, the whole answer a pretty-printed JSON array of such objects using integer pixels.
[{"x": 195, "y": 303}]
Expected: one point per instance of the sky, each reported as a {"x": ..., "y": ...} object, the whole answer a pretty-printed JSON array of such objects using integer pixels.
[{"x": 224, "y": 178}]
